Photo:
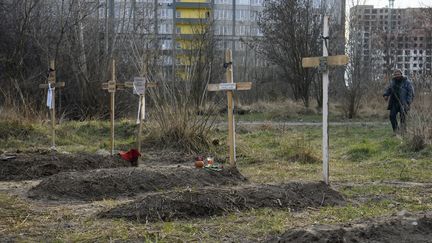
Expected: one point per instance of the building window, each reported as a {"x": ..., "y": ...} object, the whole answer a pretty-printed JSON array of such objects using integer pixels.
[{"x": 242, "y": 2}]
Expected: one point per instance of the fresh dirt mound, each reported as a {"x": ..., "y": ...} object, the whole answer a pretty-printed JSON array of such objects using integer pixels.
[
  {"x": 395, "y": 230},
  {"x": 170, "y": 156},
  {"x": 105, "y": 183},
  {"x": 206, "y": 202},
  {"x": 166, "y": 157},
  {"x": 38, "y": 164}
]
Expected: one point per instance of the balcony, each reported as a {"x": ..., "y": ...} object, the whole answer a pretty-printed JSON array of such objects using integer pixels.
[
  {"x": 206, "y": 4},
  {"x": 194, "y": 21}
]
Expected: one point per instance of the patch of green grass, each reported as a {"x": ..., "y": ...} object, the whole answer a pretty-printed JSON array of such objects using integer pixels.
[
  {"x": 361, "y": 151},
  {"x": 297, "y": 149}
]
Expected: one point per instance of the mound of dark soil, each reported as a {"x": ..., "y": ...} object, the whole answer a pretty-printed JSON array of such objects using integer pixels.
[
  {"x": 106, "y": 183},
  {"x": 38, "y": 164},
  {"x": 166, "y": 157},
  {"x": 395, "y": 230},
  {"x": 204, "y": 202}
]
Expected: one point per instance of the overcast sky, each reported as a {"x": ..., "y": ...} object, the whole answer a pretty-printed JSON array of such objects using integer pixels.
[{"x": 398, "y": 3}]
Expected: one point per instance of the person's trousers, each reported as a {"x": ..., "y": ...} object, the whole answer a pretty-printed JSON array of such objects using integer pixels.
[{"x": 393, "y": 117}]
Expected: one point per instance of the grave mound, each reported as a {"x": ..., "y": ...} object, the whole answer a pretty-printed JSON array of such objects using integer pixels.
[
  {"x": 395, "y": 230},
  {"x": 39, "y": 164},
  {"x": 126, "y": 182},
  {"x": 206, "y": 202}
]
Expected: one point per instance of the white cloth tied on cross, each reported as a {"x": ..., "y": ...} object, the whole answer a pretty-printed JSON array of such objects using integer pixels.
[
  {"x": 141, "y": 104},
  {"x": 50, "y": 99}
]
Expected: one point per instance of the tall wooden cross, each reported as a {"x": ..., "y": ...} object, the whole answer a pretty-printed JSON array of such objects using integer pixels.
[
  {"x": 323, "y": 63},
  {"x": 230, "y": 87},
  {"x": 52, "y": 85},
  {"x": 112, "y": 86}
]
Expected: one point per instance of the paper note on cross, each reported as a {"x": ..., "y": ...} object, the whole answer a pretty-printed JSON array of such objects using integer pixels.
[
  {"x": 323, "y": 63},
  {"x": 51, "y": 85},
  {"x": 230, "y": 87}
]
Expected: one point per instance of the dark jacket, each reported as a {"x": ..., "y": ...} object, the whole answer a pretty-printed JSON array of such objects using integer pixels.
[{"x": 401, "y": 93}]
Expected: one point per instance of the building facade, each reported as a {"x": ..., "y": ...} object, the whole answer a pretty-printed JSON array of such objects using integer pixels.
[
  {"x": 398, "y": 38},
  {"x": 174, "y": 23}
]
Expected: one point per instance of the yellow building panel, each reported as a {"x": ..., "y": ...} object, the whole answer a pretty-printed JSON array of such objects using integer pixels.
[
  {"x": 190, "y": 29},
  {"x": 192, "y": 13},
  {"x": 187, "y": 44}
]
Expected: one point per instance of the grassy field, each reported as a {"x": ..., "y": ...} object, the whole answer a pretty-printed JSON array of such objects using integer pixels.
[{"x": 373, "y": 169}]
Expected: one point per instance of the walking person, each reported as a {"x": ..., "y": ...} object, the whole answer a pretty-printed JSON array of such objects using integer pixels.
[{"x": 399, "y": 94}]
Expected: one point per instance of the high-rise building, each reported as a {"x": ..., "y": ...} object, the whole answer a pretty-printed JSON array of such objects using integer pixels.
[
  {"x": 398, "y": 38},
  {"x": 234, "y": 22}
]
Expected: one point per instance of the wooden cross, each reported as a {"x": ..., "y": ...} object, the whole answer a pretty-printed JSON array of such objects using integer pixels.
[
  {"x": 140, "y": 84},
  {"x": 322, "y": 63},
  {"x": 229, "y": 87},
  {"x": 52, "y": 85},
  {"x": 112, "y": 86}
]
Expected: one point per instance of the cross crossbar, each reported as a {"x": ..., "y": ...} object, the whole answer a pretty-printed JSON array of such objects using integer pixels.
[
  {"x": 53, "y": 85},
  {"x": 339, "y": 60}
]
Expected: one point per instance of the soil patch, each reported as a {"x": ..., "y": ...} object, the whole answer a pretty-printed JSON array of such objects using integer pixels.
[
  {"x": 207, "y": 202},
  {"x": 126, "y": 182},
  {"x": 166, "y": 157},
  {"x": 38, "y": 164},
  {"x": 394, "y": 230},
  {"x": 170, "y": 156}
]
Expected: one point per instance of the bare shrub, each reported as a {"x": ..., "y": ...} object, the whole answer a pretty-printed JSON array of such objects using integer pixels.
[
  {"x": 178, "y": 123},
  {"x": 419, "y": 127}
]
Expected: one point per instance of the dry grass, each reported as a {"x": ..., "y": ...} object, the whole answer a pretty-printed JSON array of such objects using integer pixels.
[
  {"x": 376, "y": 159},
  {"x": 419, "y": 127}
]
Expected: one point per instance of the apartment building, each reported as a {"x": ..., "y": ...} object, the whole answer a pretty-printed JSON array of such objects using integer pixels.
[
  {"x": 234, "y": 23},
  {"x": 398, "y": 38}
]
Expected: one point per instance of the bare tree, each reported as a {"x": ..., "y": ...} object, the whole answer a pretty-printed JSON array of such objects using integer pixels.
[{"x": 291, "y": 30}]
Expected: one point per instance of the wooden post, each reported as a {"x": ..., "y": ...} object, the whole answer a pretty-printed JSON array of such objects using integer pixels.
[
  {"x": 112, "y": 87},
  {"x": 229, "y": 87},
  {"x": 53, "y": 111},
  {"x": 325, "y": 104},
  {"x": 323, "y": 64},
  {"x": 231, "y": 131},
  {"x": 112, "y": 107},
  {"x": 140, "y": 85},
  {"x": 141, "y": 117},
  {"x": 52, "y": 85}
]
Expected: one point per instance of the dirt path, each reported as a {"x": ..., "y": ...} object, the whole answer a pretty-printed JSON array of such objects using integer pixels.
[{"x": 258, "y": 124}]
